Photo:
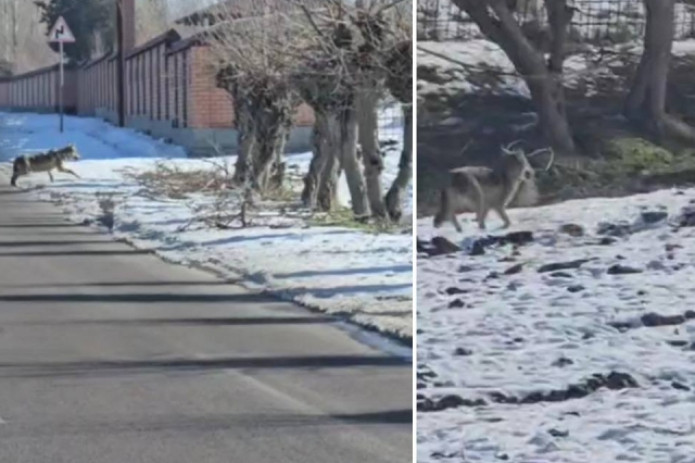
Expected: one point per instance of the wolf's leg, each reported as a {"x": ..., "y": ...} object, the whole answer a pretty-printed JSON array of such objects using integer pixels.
[
  {"x": 456, "y": 222},
  {"x": 503, "y": 214},
  {"x": 482, "y": 216},
  {"x": 13, "y": 182},
  {"x": 50, "y": 175},
  {"x": 68, "y": 171}
]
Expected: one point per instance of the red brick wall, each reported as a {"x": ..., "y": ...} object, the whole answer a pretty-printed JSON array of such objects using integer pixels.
[
  {"x": 213, "y": 107},
  {"x": 182, "y": 82},
  {"x": 97, "y": 87},
  {"x": 38, "y": 90}
]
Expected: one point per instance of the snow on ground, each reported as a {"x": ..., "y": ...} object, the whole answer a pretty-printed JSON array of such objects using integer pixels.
[
  {"x": 484, "y": 334},
  {"x": 366, "y": 277},
  {"x": 27, "y": 133},
  {"x": 472, "y": 66}
]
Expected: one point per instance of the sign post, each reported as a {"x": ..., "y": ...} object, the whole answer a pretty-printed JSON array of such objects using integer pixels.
[{"x": 61, "y": 34}]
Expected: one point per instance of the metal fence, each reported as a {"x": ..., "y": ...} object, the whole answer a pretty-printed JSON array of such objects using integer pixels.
[
  {"x": 596, "y": 20},
  {"x": 391, "y": 123}
]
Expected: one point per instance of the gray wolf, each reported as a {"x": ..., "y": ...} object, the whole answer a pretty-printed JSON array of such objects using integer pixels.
[
  {"x": 45, "y": 162},
  {"x": 481, "y": 189}
]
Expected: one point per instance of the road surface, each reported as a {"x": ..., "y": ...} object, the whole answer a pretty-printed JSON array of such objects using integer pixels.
[{"x": 109, "y": 355}]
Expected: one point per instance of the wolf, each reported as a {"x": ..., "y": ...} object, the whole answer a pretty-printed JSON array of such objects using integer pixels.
[
  {"x": 45, "y": 162},
  {"x": 481, "y": 189}
]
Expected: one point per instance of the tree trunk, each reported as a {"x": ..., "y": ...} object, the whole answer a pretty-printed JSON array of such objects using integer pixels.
[
  {"x": 394, "y": 198},
  {"x": 368, "y": 121},
  {"x": 271, "y": 146},
  {"x": 321, "y": 182},
  {"x": 645, "y": 105},
  {"x": 549, "y": 98},
  {"x": 351, "y": 164},
  {"x": 247, "y": 144},
  {"x": 544, "y": 80},
  {"x": 311, "y": 180}
]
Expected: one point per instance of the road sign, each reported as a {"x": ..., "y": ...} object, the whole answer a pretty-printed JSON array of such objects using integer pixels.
[{"x": 61, "y": 33}]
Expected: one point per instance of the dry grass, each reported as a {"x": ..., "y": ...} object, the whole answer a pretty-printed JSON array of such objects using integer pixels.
[{"x": 171, "y": 181}]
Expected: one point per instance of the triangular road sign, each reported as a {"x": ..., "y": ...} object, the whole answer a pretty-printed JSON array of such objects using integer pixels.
[{"x": 60, "y": 32}]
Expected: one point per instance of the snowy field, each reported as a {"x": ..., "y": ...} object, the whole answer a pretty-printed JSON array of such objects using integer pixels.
[
  {"x": 363, "y": 276},
  {"x": 480, "y": 66},
  {"x": 590, "y": 360}
]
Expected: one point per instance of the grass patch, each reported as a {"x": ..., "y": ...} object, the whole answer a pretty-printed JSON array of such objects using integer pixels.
[{"x": 344, "y": 218}]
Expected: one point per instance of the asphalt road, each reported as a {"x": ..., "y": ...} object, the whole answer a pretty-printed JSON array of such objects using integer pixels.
[{"x": 109, "y": 355}]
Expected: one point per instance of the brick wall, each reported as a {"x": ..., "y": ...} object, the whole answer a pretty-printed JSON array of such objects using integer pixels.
[
  {"x": 175, "y": 85},
  {"x": 38, "y": 90}
]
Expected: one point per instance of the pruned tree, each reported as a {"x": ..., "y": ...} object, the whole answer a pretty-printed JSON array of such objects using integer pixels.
[
  {"x": 386, "y": 30},
  {"x": 342, "y": 76},
  {"x": 152, "y": 19},
  {"x": 544, "y": 77},
  {"x": 646, "y": 103},
  {"x": 327, "y": 79},
  {"x": 23, "y": 45},
  {"x": 254, "y": 63},
  {"x": 400, "y": 83}
]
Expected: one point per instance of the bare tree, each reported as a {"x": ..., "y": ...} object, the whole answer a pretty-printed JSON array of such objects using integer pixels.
[
  {"x": 496, "y": 20},
  {"x": 23, "y": 44},
  {"x": 152, "y": 18},
  {"x": 342, "y": 78},
  {"x": 646, "y": 102},
  {"x": 400, "y": 84},
  {"x": 254, "y": 60}
]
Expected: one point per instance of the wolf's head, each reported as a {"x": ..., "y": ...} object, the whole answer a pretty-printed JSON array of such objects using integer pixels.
[
  {"x": 516, "y": 162},
  {"x": 69, "y": 153}
]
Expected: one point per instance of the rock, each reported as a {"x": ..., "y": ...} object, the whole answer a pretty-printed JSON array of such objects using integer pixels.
[
  {"x": 687, "y": 217},
  {"x": 655, "y": 265},
  {"x": 619, "y": 269},
  {"x": 461, "y": 352},
  {"x": 561, "y": 275},
  {"x": 617, "y": 381},
  {"x": 477, "y": 249},
  {"x": 500, "y": 398},
  {"x": 516, "y": 238},
  {"x": 574, "y": 264},
  {"x": 562, "y": 362},
  {"x": 514, "y": 269},
  {"x": 558, "y": 433},
  {"x": 572, "y": 229},
  {"x": 575, "y": 288},
  {"x": 672, "y": 247},
  {"x": 653, "y": 217},
  {"x": 457, "y": 304},
  {"x": 454, "y": 290},
  {"x": 614, "y": 229},
  {"x": 607, "y": 241},
  {"x": 443, "y": 246},
  {"x": 680, "y": 386},
  {"x": 465, "y": 268},
  {"x": 677, "y": 343},
  {"x": 654, "y": 319}
]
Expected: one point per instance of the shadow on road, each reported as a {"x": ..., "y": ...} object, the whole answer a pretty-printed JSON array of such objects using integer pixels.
[
  {"x": 134, "y": 298},
  {"x": 170, "y": 366},
  {"x": 211, "y": 321}
]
